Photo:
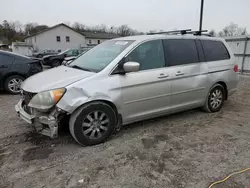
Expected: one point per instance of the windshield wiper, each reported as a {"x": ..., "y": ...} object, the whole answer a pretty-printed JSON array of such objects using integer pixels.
[{"x": 78, "y": 67}]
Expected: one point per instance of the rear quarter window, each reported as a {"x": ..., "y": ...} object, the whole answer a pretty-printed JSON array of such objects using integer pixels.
[
  {"x": 5, "y": 59},
  {"x": 180, "y": 51},
  {"x": 214, "y": 50},
  {"x": 21, "y": 60}
]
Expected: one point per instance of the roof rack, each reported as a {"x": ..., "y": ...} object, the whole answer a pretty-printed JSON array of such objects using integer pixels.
[
  {"x": 196, "y": 32},
  {"x": 182, "y": 32}
]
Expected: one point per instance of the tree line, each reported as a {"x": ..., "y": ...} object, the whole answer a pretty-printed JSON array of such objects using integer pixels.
[
  {"x": 230, "y": 30},
  {"x": 11, "y": 31}
]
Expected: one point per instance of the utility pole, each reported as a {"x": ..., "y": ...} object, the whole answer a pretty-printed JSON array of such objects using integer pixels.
[{"x": 201, "y": 14}]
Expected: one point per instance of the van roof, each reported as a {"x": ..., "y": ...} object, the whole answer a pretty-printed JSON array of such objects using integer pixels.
[{"x": 162, "y": 36}]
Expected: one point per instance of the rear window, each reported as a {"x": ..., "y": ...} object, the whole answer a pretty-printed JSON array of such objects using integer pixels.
[
  {"x": 180, "y": 51},
  {"x": 214, "y": 50}
]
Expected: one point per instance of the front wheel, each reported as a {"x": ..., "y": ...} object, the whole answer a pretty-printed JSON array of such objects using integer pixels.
[
  {"x": 215, "y": 99},
  {"x": 93, "y": 123},
  {"x": 13, "y": 84},
  {"x": 55, "y": 63}
]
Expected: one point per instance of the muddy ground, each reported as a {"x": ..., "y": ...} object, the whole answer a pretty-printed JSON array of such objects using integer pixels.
[{"x": 190, "y": 149}]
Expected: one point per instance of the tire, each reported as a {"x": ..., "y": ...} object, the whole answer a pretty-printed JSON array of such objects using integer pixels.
[
  {"x": 55, "y": 63},
  {"x": 13, "y": 84},
  {"x": 82, "y": 127},
  {"x": 215, "y": 99}
]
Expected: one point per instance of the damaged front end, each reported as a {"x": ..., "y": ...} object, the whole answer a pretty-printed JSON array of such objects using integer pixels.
[{"x": 45, "y": 122}]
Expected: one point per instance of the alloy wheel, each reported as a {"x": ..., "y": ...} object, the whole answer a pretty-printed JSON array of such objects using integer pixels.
[
  {"x": 95, "y": 124},
  {"x": 14, "y": 85},
  {"x": 216, "y": 98}
]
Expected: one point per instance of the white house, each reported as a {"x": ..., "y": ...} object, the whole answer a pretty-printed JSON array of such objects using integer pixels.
[
  {"x": 95, "y": 38},
  {"x": 59, "y": 37}
]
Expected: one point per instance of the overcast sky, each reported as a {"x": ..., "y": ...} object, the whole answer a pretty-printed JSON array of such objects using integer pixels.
[{"x": 143, "y": 15}]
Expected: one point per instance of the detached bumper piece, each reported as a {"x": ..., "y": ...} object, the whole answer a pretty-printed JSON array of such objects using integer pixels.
[{"x": 44, "y": 123}]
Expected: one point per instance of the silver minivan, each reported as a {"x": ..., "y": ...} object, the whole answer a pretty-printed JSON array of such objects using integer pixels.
[{"x": 126, "y": 80}]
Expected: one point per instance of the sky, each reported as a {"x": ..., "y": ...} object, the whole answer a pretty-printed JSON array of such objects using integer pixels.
[{"x": 142, "y": 15}]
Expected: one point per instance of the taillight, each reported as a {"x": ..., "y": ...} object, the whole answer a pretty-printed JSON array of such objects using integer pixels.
[{"x": 236, "y": 69}]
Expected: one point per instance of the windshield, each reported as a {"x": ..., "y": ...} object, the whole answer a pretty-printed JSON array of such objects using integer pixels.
[
  {"x": 63, "y": 52},
  {"x": 101, "y": 56}
]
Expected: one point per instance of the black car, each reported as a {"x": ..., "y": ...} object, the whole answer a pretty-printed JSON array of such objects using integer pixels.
[
  {"x": 44, "y": 53},
  {"x": 56, "y": 60},
  {"x": 15, "y": 68}
]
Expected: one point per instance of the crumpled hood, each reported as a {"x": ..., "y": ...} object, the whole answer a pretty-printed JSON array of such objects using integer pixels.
[
  {"x": 54, "y": 78},
  {"x": 70, "y": 58},
  {"x": 46, "y": 56}
]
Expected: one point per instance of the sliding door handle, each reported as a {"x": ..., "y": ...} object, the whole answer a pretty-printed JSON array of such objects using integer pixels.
[{"x": 179, "y": 73}]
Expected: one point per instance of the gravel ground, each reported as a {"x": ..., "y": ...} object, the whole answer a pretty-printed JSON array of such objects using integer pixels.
[{"x": 190, "y": 149}]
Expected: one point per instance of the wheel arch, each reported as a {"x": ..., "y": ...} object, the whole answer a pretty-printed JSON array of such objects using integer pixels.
[
  {"x": 218, "y": 83},
  {"x": 12, "y": 74},
  {"x": 225, "y": 87},
  {"x": 108, "y": 102}
]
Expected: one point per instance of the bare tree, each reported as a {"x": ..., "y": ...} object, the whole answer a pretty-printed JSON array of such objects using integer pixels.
[
  {"x": 100, "y": 28},
  {"x": 67, "y": 23},
  {"x": 212, "y": 33},
  {"x": 232, "y": 30},
  {"x": 8, "y": 30},
  {"x": 29, "y": 27},
  {"x": 79, "y": 27},
  {"x": 124, "y": 30}
]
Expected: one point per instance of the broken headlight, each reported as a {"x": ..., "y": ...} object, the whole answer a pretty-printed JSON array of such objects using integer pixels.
[{"x": 47, "y": 99}]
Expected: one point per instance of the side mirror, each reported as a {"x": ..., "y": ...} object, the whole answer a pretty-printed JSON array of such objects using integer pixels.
[{"x": 131, "y": 66}]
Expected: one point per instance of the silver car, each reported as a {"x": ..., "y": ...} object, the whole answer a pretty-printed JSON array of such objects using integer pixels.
[{"x": 126, "y": 80}]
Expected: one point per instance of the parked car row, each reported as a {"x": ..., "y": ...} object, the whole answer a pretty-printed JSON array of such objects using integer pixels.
[
  {"x": 57, "y": 59},
  {"x": 68, "y": 60},
  {"x": 15, "y": 68},
  {"x": 44, "y": 53}
]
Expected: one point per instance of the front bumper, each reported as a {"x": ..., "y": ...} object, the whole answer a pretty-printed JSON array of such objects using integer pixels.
[{"x": 45, "y": 124}]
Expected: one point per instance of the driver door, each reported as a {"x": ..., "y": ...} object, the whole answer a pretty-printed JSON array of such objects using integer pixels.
[{"x": 146, "y": 93}]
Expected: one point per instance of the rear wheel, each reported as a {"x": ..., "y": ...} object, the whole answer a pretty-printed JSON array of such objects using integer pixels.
[
  {"x": 215, "y": 99},
  {"x": 13, "y": 84},
  {"x": 93, "y": 123}
]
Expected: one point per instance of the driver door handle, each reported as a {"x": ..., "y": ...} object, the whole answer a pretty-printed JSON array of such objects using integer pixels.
[
  {"x": 179, "y": 73},
  {"x": 162, "y": 75}
]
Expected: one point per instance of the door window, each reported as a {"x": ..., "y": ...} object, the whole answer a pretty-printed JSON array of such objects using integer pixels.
[
  {"x": 214, "y": 50},
  {"x": 150, "y": 55},
  {"x": 180, "y": 51}
]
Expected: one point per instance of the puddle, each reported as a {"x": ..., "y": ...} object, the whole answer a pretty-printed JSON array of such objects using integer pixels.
[
  {"x": 149, "y": 143},
  {"x": 37, "y": 153}
]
